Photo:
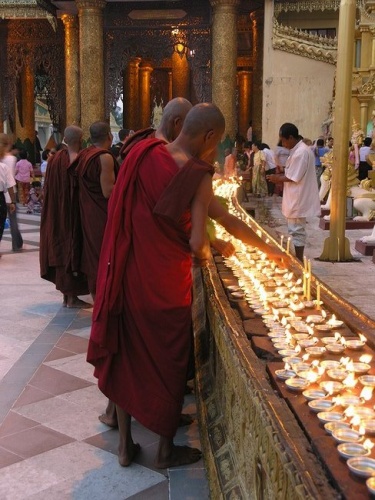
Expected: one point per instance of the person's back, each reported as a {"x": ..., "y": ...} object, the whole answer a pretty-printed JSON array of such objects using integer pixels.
[
  {"x": 157, "y": 218},
  {"x": 96, "y": 169}
]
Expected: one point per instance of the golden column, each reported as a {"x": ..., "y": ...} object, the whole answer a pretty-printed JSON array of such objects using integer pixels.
[
  {"x": 364, "y": 101},
  {"x": 72, "y": 85},
  {"x": 25, "y": 113},
  {"x": 257, "y": 19},
  {"x": 145, "y": 71},
  {"x": 224, "y": 60},
  {"x": 90, "y": 13},
  {"x": 336, "y": 246},
  {"x": 366, "y": 46},
  {"x": 131, "y": 94},
  {"x": 244, "y": 100},
  {"x": 180, "y": 76}
]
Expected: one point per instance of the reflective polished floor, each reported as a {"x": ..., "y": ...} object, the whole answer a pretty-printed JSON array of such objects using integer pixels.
[{"x": 52, "y": 444}]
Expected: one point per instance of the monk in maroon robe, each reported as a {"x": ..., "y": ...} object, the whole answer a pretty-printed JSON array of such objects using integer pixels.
[
  {"x": 141, "y": 331},
  {"x": 95, "y": 169},
  {"x": 57, "y": 221}
]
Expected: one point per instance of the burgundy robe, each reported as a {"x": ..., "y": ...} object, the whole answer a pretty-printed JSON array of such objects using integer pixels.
[
  {"x": 56, "y": 235},
  {"x": 146, "y": 133},
  {"x": 141, "y": 332},
  {"x": 93, "y": 212}
]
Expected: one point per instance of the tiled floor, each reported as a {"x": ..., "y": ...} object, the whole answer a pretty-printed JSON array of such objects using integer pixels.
[{"x": 52, "y": 444}]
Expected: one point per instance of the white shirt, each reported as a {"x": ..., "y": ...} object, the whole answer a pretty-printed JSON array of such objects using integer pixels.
[
  {"x": 301, "y": 197},
  {"x": 6, "y": 181},
  {"x": 270, "y": 159},
  {"x": 10, "y": 162},
  {"x": 363, "y": 152}
]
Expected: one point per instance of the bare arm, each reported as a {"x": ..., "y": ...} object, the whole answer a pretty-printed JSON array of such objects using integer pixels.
[
  {"x": 241, "y": 231},
  {"x": 199, "y": 243},
  {"x": 278, "y": 178},
  {"x": 107, "y": 175}
]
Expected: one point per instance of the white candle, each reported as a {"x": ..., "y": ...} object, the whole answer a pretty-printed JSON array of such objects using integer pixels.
[
  {"x": 282, "y": 240},
  {"x": 318, "y": 296},
  {"x": 305, "y": 262},
  {"x": 288, "y": 246}
]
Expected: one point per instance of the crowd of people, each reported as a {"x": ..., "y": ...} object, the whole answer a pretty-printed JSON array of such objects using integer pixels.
[{"x": 126, "y": 222}]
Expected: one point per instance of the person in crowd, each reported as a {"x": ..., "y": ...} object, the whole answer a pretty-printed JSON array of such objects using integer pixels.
[
  {"x": 123, "y": 134},
  {"x": 230, "y": 163},
  {"x": 249, "y": 132},
  {"x": 370, "y": 158},
  {"x": 281, "y": 155},
  {"x": 23, "y": 175},
  {"x": 10, "y": 161},
  {"x": 364, "y": 151},
  {"x": 269, "y": 166},
  {"x": 160, "y": 212},
  {"x": 259, "y": 183},
  {"x": 330, "y": 142},
  {"x": 38, "y": 148},
  {"x": 7, "y": 184},
  {"x": 301, "y": 194},
  {"x": 35, "y": 201},
  {"x": 319, "y": 151},
  {"x": 58, "y": 219},
  {"x": 47, "y": 154},
  {"x": 95, "y": 169}
]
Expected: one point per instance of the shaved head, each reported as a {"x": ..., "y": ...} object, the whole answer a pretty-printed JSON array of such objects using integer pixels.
[
  {"x": 99, "y": 132},
  {"x": 176, "y": 108},
  {"x": 202, "y": 118},
  {"x": 72, "y": 134}
]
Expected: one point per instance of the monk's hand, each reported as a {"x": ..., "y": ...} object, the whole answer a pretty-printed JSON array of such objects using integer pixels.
[
  {"x": 225, "y": 248},
  {"x": 282, "y": 259},
  {"x": 11, "y": 207}
]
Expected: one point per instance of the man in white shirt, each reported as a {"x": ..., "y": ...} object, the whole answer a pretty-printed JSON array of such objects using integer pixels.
[
  {"x": 270, "y": 167},
  {"x": 301, "y": 194},
  {"x": 6, "y": 186}
]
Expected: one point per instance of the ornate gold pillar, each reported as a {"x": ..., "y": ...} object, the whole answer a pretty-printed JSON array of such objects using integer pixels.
[
  {"x": 180, "y": 76},
  {"x": 244, "y": 100},
  {"x": 372, "y": 30},
  {"x": 145, "y": 71},
  {"x": 25, "y": 113},
  {"x": 224, "y": 60},
  {"x": 131, "y": 94},
  {"x": 90, "y": 13},
  {"x": 257, "y": 19},
  {"x": 170, "y": 86},
  {"x": 366, "y": 47},
  {"x": 364, "y": 102},
  {"x": 72, "y": 84}
]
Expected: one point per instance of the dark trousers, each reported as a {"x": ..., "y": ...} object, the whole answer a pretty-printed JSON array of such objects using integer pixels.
[
  {"x": 17, "y": 240},
  {"x": 3, "y": 213},
  {"x": 363, "y": 169},
  {"x": 270, "y": 185}
]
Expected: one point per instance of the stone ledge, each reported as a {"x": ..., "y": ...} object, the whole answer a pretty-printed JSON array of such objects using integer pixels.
[
  {"x": 349, "y": 224},
  {"x": 364, "y": 248}
]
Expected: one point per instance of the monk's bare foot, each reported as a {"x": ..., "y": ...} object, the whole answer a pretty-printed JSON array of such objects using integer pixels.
[
  {"x": 107, "y": 420},
  {"x": 178, "y": 455},
  {"x": 185, "y": 420},
  {"x": 75, "y": 302},
  {"x": 126, "y": 457}
]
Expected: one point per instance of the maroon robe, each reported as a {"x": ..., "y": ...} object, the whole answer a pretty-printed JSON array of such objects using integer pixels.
[
  {"x": 93, "y": 212},
  {"x": 141, "y": 332},
  {"x": 57, "y": 220},
  {"x": 146, "y": 133}
]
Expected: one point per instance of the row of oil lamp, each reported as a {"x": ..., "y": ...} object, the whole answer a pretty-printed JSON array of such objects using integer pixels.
[{"x": 277, "y": 296}]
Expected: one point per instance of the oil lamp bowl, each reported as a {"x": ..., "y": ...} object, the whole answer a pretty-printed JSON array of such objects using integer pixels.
[
  {"x": 337, "y": 374},
  {"x": 307, "y": 342},
  {"x": 328, "y": 340},
  {"x": 288, "y": 352},
  {"x": 314, "y": 318},
  {"x": 315, "y": 352},
  {"x": 292, "y": 360},
  {"x": 369, "y": 427},
  {"x": 368, "y": 380},
  {"x": 362, "y": 466},
  {"x": 370, "y": 483},
  {"x": 355, "y": 345},
  {"x": 297, "y": 384},
  {"x": 349, "y": 450},
  {"x": 346, "y": 401},
  {"x": 335, "y": 348},
  {"x": 332, "y": 426},
  {"x": 330, "y": 416},
  {"x": 330, "y": 364},
  {"x": 285, "y": 374},
  {"x": 319, "y": 405},
  {"x": 358, "y": 367},
  {"x": 331, "y": 387},
  {"x": 324, "y": 328},
  {"x": 314, "y": 394},
  {"x": 347, "y": 436}
]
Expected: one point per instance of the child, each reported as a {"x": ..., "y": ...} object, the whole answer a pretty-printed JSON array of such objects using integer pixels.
[
  {"x": 35, "y": 201},
  {"x": 24, "y": 173}
]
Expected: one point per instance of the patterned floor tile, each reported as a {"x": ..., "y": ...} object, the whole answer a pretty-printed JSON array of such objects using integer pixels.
[
  {"x": 74, "y": 365},
  {"x": 56, "y": 381},
  {"x": 14, "y": 423},
  {"x": 31, "y": 395},
  {"x": 73, "y": 343}
]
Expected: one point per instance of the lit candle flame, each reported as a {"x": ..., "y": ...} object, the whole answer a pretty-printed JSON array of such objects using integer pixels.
[
  {"x": 368, "y": 444},
  {"x": 365, "y": 358},
  {"x": 366, "y": 393},
  {"x": 362, "y": 337},
  {"x": 350, "y": 380}
]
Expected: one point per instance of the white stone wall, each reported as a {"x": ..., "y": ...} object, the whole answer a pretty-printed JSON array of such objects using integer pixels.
[{"x": 295, "y": 89}]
